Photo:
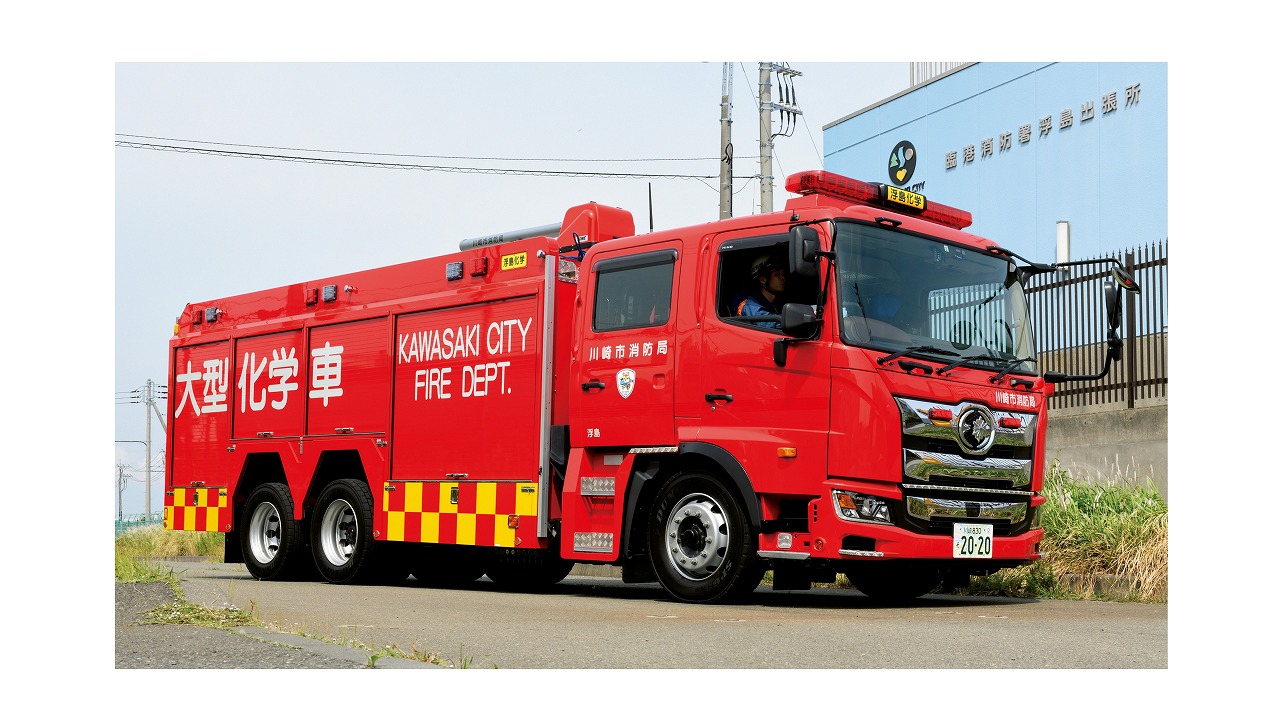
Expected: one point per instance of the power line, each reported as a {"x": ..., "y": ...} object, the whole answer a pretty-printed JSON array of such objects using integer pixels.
[
  {"x": 405, "y": 166},
  {"x": 811, "y": 142},
  {"x": 410, "y": 155}
]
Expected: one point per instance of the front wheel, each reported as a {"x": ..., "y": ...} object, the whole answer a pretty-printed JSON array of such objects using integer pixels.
[
  {"x": 270, "y": 538},
  {"x": 342, "y": 532},
  {"x": 700, "y": 542}
]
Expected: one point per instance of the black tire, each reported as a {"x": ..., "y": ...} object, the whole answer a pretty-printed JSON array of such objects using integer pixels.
[
  {"x": 342, "y": 533},
  {"x": 445, "y": 567},
  {"x": 895, "y": 584},
  {"x": 270, "y": 537},
  {"x": 700, "y": 541},
  {"x": 527, "y": 570}
]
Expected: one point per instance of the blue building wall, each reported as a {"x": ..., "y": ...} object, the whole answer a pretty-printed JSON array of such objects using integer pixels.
[{"x": 1082, "y": 142}]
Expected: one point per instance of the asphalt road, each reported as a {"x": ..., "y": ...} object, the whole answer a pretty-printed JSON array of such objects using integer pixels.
[{"x": 588, "y": 622}]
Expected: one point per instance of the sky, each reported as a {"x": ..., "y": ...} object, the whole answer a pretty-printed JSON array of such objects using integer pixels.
[{"x": 192, "y": 227}]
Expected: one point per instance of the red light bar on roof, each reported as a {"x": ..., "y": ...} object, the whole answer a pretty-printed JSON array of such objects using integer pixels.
[{"x": 822, "y": 182}]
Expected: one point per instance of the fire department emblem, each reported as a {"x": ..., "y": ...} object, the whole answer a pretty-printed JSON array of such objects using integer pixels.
[{"x": 626, "y": 382}]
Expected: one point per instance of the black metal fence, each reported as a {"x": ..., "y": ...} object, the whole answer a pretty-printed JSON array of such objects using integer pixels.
[{"x": 1068, "y": 314}]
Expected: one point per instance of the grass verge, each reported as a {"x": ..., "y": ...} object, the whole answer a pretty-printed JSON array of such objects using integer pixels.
[{"x": 1094, "y": 528}]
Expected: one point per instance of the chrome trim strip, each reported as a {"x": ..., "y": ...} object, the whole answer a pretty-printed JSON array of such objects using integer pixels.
[
  {"x": 915, "y": 421},
  {"x": 783, "y": 554},
  {"x": 929, "y": 508},
  {"x": 862, "y": 553},
  {"x": 654, "y": 450},
  {"x": 923, "y": 465},
  {"x": 984, "y": 491}
]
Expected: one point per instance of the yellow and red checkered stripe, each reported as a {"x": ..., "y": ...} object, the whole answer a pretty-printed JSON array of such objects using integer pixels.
[
  {"x": 426, "y": 512},
  {"x": 197, "y": 509}
]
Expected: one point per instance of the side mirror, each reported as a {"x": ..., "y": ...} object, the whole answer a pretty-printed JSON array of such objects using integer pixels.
[
  {"x": 1112, "y": 296},
  {"x": 802, "y": 251},
  {"x": 1125, "y": 280},
  {"x": 1115, "y": 348},
  {"x": 798, "y": 320},
  {"x": 1120, "y": 280}
]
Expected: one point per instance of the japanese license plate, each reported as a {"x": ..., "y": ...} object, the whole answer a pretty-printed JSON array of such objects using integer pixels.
[
  {"x": 905, "y": 197},
  {"x": 971, "y": 541}
]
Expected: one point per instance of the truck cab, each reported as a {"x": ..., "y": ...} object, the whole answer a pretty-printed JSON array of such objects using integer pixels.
[{"x": 886, "y": 423}]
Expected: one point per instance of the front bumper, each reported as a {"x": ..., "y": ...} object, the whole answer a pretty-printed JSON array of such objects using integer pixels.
[{"x": 831, "y": 537}]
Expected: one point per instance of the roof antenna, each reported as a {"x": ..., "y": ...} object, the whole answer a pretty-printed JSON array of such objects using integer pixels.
[{"x": 650, "y": 207}]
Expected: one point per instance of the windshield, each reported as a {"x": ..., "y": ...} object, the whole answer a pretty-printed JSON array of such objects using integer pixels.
[{"x": 900, "y": 291}]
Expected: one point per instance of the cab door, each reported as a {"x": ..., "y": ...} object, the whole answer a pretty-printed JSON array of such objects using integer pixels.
[
  {"x": 773, "y": 419},
  {"x": 623, "y": 364}
]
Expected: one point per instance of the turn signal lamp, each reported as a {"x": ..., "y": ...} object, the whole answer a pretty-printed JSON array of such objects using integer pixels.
[
  {"x": 822, "y": 182},
  {"x": 861, "y": 508},
  {"x": 940, "y": 416},
  {"x": 787, "y": 452}
]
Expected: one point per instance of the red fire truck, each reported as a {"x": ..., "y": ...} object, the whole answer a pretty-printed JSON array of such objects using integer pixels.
[{"x": 579, "y": 393}]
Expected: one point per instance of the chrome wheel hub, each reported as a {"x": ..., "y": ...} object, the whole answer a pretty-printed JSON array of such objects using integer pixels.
[
  {"x": 264, "y": 533},
  {"x": 338, "y": 532},
  {"x": 697, "y": 536}
]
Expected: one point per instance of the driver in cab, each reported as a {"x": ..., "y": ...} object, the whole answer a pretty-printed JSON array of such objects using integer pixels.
[{"x": 767, "y": 281}]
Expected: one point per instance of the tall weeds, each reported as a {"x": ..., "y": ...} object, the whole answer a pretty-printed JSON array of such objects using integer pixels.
[
  {"x": 1095, "y": 527},
  {"x": 156, "y": 543}
]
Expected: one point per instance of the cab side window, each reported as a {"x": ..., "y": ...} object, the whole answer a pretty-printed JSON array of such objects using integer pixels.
[
  {"x": 633, "y": 292},
  {"x": 736, "y": 281}
]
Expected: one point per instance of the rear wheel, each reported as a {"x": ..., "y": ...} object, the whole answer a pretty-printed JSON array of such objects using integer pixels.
[
  {"x": 700, "y": 541},
  {"x": 270, "y": 538},
  {"x": 342, "y": 533}
]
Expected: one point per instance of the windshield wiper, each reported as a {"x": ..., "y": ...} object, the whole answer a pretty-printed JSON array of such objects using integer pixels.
[
  {"x": 1008, "y": 369},
  {"x": 968, "y": 358},
  {"x": 915, "y": 349}
]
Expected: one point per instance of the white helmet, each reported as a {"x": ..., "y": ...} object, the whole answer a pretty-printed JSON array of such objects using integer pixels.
[{"x": 764, "y": 265}]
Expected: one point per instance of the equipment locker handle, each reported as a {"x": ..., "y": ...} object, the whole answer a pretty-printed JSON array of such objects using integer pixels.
[
  {"x": 593, "y": 384},
  {"x": 712, "y": 397}
]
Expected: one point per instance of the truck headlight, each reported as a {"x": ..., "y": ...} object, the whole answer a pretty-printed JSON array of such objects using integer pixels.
[{"x": 861, "y": 508}]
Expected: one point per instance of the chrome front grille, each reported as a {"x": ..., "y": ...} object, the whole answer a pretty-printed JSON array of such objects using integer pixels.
[
  {"x": 925, "y": 466},
  {"x": 944, "y": 483},
  {"x": 928, "y": 509},
  {"x": 916, "y": 423}
]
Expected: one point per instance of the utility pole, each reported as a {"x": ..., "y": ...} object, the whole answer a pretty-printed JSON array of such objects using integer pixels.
[
  {"x": 149, "y": 400},
  {"x": 121, "y": 478},
  {"x": 767, "y": 106},
  {"x": 766, "y": 139},
  {"x": 150, "y": 394},
  {"x": 726, "y": 142}
]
